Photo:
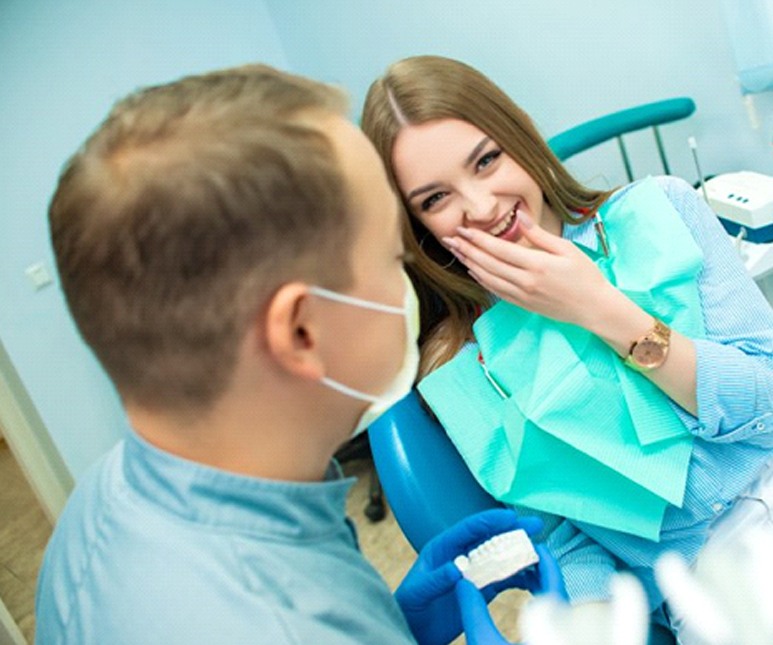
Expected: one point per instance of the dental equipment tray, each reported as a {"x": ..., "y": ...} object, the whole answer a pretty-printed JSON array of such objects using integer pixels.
[{"x": 743, "y": 202}]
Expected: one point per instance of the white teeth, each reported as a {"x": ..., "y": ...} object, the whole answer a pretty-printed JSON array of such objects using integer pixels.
[
  {"x": 498, "y": 558},
  {"x": 504, "y": 224}
]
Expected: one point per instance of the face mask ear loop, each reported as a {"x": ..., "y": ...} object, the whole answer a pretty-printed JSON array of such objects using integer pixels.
[
  {"x": 403, "y": 380},
  {"x": 343, "y": 389},
  {"x": 357, "y": 302}
]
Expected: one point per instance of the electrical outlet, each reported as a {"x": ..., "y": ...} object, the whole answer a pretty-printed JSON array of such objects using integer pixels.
[{"x": 38, "y": 275}]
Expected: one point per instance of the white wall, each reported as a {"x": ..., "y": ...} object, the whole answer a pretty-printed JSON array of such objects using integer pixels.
[{"x": 64, "y": 64}]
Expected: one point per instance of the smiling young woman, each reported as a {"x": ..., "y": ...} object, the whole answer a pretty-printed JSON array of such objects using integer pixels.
[{"x": 528, "y": 274}]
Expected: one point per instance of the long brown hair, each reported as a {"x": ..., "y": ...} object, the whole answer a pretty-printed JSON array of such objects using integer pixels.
[{"x": 425, "y": 88}]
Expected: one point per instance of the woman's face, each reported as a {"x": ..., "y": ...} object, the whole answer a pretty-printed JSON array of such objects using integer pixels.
[{"x": 452, "y": 174}]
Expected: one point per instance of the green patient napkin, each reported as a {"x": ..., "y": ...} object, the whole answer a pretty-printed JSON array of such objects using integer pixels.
[{"x": 579, "y": 434}]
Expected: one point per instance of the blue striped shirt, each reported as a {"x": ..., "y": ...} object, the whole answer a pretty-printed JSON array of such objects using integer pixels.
[{"x": 733, "y": 429}]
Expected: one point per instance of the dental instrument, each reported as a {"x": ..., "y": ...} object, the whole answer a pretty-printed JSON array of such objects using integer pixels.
[
  {"x": 694, "y": 149},
  {"x": 630, "y": 611},
  {"x": 724, "y": 598},
  {"x": 702, "y": 615},
  {"x": 623, "y": 621}
]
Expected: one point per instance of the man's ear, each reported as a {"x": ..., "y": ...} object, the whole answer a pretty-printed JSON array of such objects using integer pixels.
[{"x": 291, "y": 332}]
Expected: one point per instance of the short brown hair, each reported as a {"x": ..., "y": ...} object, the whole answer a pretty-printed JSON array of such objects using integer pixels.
[
  {"x": 419, "y": 89},
  {"x": 184, "y": 211}
]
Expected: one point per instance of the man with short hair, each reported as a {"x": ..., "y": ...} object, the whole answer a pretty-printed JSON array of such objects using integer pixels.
[{"x": 229, "y": 248}]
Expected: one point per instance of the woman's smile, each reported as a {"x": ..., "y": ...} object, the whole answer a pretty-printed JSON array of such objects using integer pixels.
[
  {"x": 507, "y": 227},
  {"x": 453, "y": 175}
]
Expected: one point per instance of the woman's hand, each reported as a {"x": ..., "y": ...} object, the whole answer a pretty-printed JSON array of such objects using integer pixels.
[{"x": 551, "y": 277}]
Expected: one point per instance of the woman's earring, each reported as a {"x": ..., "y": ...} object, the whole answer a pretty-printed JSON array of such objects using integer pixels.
[{"x": 421, "y": 246}]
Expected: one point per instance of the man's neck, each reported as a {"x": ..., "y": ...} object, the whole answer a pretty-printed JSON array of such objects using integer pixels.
[{"x": 289, "y": 444}]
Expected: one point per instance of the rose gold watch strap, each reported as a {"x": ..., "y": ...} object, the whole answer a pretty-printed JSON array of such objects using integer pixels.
[{"x": 662, "y": 330}]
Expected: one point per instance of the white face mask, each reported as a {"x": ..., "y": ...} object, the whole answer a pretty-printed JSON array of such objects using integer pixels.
[{"x": 403, "y": 380}]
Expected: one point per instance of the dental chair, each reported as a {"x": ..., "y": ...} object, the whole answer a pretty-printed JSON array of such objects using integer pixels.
[
  {"x": 615, "y": 125},
  {"x": 427, "y": 483},
  {"x": 425, "y": 480}
]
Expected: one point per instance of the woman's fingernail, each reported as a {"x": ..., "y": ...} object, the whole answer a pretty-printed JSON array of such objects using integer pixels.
[
  {"x": 525, "y": 220},
  {"x": 464, "y": 232},
  {"x": 451, "y": 243}
]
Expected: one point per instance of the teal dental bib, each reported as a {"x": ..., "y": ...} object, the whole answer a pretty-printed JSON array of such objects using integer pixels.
[{"x": 566, "y": 427}]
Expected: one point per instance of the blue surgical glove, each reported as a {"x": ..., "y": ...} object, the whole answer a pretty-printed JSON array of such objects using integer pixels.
[
  {"x": 426, "y": 595},
  {"x": 479, "y": 628}
]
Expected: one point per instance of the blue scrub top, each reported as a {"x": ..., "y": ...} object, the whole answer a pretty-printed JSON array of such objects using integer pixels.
[{"x": 154, "y": 549}]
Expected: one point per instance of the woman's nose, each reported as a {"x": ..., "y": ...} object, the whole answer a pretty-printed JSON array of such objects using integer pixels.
[{"x": 480, "y": 208}]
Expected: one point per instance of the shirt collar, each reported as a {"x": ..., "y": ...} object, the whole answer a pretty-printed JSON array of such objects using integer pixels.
[
  {"x": 219, "y": 499},
  {"x": 582, "y": 234}
]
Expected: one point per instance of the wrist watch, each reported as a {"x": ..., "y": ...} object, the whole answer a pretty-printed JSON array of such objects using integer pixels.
[{"x": 650, "y": 351}]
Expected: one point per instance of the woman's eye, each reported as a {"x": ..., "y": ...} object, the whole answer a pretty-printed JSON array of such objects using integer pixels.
[
  {"x": 487, "y": 159},
  {"x": 430, "y": 201}
]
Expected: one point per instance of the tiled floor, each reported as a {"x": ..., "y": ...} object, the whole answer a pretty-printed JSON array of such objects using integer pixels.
[{"x": 24, "y": 532}]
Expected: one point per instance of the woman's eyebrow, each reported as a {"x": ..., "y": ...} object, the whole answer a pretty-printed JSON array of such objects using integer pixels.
[
  {"x": 421, "y": 189},
  {"x": 476, "y": 151}
]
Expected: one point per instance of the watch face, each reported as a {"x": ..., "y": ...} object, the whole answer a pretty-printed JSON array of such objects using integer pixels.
[{"x": 649, "y": 353}]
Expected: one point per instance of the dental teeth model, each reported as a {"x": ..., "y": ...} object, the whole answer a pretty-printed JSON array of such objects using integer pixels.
[{"x": 497, "y": 558}]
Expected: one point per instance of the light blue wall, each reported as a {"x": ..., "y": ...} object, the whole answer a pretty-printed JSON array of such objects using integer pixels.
[
  {"x": 564, "y": 62},
  {"x": 64, "y": 64}
]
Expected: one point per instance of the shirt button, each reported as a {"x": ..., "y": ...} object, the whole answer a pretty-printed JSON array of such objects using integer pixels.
[
  {"x": 760, "y": 426},
  {"x": 717, "y": 507}
]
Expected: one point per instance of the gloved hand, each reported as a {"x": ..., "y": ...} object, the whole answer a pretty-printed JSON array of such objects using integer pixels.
[
  {"x": 426, "y": 594},
  {"x": 545, "y": 578},
  {"x": 479, "y": 628}
]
